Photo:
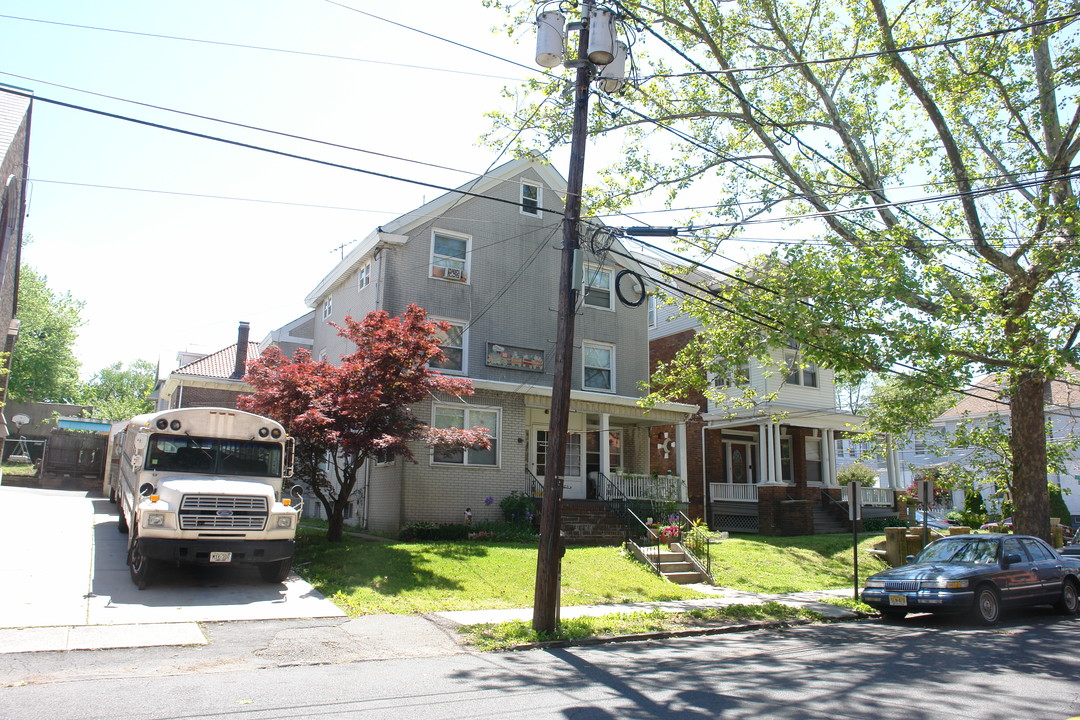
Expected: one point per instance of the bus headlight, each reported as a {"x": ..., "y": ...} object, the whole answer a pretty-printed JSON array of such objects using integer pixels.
[
  {"x": 155, "y": 520},
  {"x": 284, "y": 521}
]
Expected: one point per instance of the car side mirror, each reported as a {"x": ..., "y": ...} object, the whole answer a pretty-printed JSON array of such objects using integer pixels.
[
  {"x": 1010, "y": 559},
  {"x": 908, "y": 559}
]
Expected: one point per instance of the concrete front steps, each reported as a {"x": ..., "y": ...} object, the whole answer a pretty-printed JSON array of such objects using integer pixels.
[{"x": 673, "y": 565}]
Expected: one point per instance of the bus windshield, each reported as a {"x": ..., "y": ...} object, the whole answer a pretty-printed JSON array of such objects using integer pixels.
[{"x": 212, "y": 456}]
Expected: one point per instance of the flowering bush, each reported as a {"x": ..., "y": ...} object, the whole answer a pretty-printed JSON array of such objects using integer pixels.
[{"x": 670, "y": 533}]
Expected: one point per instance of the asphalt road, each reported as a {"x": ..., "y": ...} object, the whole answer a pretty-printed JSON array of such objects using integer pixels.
[{"x": 922, "y": 669}]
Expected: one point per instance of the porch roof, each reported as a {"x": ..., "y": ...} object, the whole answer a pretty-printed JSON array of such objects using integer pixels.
[
  {"x": 583, "y": 401},
  {"x": 798, "y": 417}
]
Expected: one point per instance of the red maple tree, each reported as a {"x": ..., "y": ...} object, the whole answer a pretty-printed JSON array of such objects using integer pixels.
[{"x": 343, "y": 415}]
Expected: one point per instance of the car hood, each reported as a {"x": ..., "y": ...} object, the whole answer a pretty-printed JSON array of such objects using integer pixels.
[{"x": 925, "y": 571}]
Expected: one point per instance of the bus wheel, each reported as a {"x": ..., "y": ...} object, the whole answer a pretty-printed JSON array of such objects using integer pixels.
[
  {"x": 140, "y": 566},
  {"x": 277, "y": 571},
  {"x": 122, "y": 523}
]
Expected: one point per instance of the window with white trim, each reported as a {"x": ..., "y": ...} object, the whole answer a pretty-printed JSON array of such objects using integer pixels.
[
  {"x": 328, "y": 307},
  {"x": 454, "y": 344},
  {"x": 363, "y": 277},
  {"x": 598, "y": 366},
  {"x": 450, "y": 255},
  {"x": 457, "y": 416},
  {"x": 799, "y": 373},
  {"x": 652, "y": 311},
  {"x": 813, "y": 460},
  {"x": 734, "y": 376},
  {"x": 598, "y": 287},
  {"x": 530, "y": 199}
]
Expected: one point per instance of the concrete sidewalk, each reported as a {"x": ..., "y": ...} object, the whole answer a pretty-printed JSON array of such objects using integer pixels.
[{"x": 722, "y": 597}]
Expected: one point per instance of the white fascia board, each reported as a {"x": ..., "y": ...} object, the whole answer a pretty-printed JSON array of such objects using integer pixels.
[
  {"x": 358, "y": 254},
  {"x": 788, "y": 416}
]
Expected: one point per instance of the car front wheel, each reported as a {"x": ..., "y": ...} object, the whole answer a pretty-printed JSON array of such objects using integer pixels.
[
  {"x": 987, "y": 608},
  {"x": 1069, "y": 601},
  {"x": 140, "y": 567}
]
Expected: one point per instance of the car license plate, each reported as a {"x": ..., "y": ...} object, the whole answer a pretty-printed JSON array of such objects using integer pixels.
[
  {"x": 898, "y": 599},
  {"x": 216, "y": 557}
]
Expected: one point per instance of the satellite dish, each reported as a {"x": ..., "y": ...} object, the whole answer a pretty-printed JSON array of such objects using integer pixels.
[{"x": 20, "y": 419}]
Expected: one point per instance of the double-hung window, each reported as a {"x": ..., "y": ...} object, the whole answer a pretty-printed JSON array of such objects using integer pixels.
[
  {"x": 598, "y": 287},
  {"x": 450, "y": 256},
  {"x": 363, "y": 276},
  {"x": 799, "y": 373},
  {"x": 530, "y": 199},
  {"x": 456, "y": 416},
  {"x": 733, "y": 376},
  {"x": 652, "y": 311},
  {"x": 598, "y": 363},
  {"x": 328, "y": 307},
  {"x": 454, "y": 346}
]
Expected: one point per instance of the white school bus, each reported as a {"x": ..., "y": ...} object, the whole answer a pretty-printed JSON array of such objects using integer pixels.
[{"x": 203, "y": 486}]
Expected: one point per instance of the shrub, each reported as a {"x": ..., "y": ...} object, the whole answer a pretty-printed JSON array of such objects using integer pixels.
[
  {"x": 432, "y": 531},
  {"x": 859, "y": 473},
  {"x": 519, "y": 508},
  {"x": 877, "y": 524},
  {"x": 1058, "y": 508}
]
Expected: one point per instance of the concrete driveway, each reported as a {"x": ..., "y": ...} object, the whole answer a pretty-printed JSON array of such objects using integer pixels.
[{"x": 65, "y": 573}]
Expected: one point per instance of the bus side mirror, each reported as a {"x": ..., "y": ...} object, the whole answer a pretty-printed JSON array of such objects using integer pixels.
[{"x": 290, "y": 455}]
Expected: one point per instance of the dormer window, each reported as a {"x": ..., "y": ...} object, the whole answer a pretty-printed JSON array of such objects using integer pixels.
[
  {"x": 530, "y": 199},
  {"x": 450, "y": 256}
]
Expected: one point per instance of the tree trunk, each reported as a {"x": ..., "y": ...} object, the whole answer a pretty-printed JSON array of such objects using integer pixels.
[
  {"x": 1031, "y": 501},
  {"x": 335, "y": 521}
]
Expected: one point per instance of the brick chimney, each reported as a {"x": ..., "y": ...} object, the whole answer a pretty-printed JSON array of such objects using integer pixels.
[{"x": 241, "y": 351}]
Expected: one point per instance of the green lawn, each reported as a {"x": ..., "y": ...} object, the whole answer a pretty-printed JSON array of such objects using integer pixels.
[
  {"x": 365, "y": 577},
  {"x": 792, "y": 564}
]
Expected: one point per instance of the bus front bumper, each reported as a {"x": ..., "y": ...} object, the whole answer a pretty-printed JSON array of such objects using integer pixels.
[{"x": 216, "y": 552}]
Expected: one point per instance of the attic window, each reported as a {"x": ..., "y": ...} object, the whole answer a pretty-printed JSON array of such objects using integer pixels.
[
  {"x": 328, "y": 307},
  {"x": 364, "y": 276},
  {"x": 530, "y": 199}
]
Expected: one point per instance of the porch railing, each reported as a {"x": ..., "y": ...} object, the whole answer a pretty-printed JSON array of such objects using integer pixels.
[
  {"x": 873, "y": 497},
  {"x": 645, "y": 487},
  {"x": 533, "y": 486},
  {"x": 734, "y": 492}
]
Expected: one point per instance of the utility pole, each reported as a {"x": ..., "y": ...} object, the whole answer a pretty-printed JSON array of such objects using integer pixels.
[
  {"x": 549, "y": 557},
  {"x": 601, "y": 54}
]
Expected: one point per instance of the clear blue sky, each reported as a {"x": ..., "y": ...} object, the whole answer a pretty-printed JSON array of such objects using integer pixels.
[{"x": 162, "y": 272}]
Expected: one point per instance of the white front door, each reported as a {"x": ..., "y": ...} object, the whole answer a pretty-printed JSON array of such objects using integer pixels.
[{"x": 574, "y": 485}]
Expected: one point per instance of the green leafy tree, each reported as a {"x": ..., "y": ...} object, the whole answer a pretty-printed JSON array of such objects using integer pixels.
[
  {"x": 43, "y": 363},
  {"x": 929, "y": 149},
  {"x": 119, "y": 393}
]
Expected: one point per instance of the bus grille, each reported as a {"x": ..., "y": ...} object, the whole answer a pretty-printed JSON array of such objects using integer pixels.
[{"x": 222, "y": 512}]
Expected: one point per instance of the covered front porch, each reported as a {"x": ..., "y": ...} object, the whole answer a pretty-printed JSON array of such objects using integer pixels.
[
  {"x": 608, "y": 449},
  {"x": 775, "y": 473}
]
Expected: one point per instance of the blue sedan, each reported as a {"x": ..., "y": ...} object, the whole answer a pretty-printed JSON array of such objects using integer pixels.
[{"x": 978, "y": 575}]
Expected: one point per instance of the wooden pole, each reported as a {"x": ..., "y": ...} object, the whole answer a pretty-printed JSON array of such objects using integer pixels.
[{"x": 549, "y": 557}]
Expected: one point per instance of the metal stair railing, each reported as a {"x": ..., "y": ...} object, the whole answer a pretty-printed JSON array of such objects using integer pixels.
[{"x": 533, "y": 486}]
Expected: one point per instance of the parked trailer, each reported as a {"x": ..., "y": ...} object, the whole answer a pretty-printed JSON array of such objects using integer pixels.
[{"x": 203, "y": 486}]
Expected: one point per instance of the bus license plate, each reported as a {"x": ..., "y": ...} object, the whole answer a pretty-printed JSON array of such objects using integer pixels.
[
  {"x": 898, "y": 599},
  {"x": 216, "y": 557}
]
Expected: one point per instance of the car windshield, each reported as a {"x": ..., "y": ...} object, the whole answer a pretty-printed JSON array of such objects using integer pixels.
[{"x": 980, "y": 551}]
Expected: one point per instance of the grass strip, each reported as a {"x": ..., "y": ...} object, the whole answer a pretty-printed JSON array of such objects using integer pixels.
[{"x": 503, "y": 636}]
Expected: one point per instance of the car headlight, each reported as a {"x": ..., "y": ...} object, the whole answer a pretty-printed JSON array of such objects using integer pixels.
[
  {"x": 942, "y": 584},
  {"x": 871, "y": 583},
  {"x": 284, "y": 521},
  {"x": 155, "y": 520}
]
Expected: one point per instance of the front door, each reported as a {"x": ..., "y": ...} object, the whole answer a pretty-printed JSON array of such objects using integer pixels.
[
  {"x": 740, "y": 469},
  {"x": 574, "y": 485}
]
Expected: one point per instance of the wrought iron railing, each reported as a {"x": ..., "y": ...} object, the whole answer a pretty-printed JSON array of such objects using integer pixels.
[{"x": 533, "y": 486}]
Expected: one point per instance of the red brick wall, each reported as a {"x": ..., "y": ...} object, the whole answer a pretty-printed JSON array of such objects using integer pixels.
[{"x": 663, "y": 350}]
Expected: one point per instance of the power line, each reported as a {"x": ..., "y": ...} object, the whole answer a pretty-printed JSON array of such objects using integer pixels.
[
  {"x": 880, "y": 53},
  {"x": 259, "y": 148},
  {"x": 263, "y": 48}
]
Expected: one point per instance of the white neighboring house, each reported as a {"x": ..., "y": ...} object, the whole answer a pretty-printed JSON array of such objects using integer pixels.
[
  {"x": 983, "y": 400},
  {"x": 763, "y": 469}
]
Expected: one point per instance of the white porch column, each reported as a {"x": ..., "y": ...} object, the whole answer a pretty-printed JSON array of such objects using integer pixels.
[
  {"x": 680, "y": 461},
  {"x": 763, "y": 474},
  {"x": 826, "y": 459},
  {"x": 829, "y": 441},
  {"x": 605, "y": 445},
  {"x": 778, "y": 458}
]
